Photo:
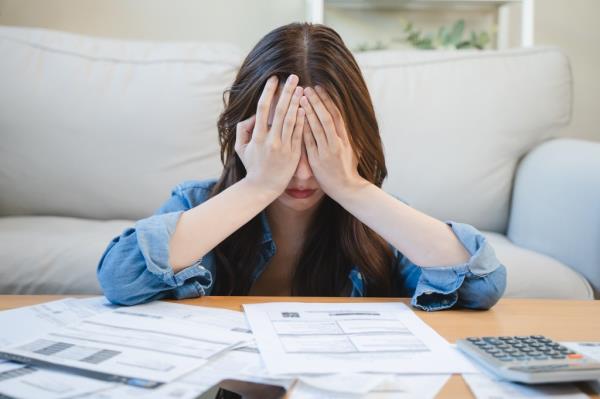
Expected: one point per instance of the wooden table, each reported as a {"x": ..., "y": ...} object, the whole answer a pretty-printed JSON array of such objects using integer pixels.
[{"x": 561, "y": 320}]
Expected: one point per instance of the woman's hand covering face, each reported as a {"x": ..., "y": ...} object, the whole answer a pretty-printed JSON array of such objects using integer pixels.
[
  {"x": 328, "y": 147},
  {"x": 271, "y": 154}
]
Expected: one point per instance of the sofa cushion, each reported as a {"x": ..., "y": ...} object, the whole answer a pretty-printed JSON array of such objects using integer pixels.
[
  {"x": 59, "y": 255},
  {"x": 455, "y": 124},
  {"x": 102, "y": 128},
  {"x": 534, "y": 275},
  {"x": 53, "y": 255}
]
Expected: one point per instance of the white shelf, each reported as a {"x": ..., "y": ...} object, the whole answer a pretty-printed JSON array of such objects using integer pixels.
[{"x": 315, "y": 11}]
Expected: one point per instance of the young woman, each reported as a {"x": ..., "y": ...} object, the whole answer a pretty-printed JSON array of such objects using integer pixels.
[{"x": 298, "y": 209}]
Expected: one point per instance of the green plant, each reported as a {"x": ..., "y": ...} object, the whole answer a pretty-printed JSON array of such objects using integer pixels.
[{"x": 446, "y": 37}]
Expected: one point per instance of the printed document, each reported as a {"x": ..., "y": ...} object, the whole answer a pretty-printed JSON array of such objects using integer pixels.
[
  {"x": 349, "y": 337},
  {"x": 133, "y": 345}
]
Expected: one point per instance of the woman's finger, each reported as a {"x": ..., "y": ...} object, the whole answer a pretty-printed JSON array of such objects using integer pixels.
[
  {"x": 263, "y": 107},
  {"x": 323, "y": 115},
  {"x": 309, "y": 141},
  {"x": 313, "y": 121},
  {"x": 298, "y": 130},
  {"x": 283, "y": 105},
  {"x": 243, "y": 132},
  {"x": 290, "y": 117},
  {"x": 338, "y": 120}
]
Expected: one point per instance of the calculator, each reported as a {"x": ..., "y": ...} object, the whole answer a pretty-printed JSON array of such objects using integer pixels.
[{"x": 531, "y": 359}]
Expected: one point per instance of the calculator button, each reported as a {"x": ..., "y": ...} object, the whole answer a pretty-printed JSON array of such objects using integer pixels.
[
  {"x": 558, "y": 357},
  {"x": 538, "y": 337},
  {"x": 575, "y": 356}
]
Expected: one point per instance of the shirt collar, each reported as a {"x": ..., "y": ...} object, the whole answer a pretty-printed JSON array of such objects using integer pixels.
[{"x": 267, "y": 235}]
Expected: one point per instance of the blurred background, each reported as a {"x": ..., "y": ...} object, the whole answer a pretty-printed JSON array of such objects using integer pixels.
[
  {"x": 365, "y": 25},
  {"x": 488, "y": 111}
]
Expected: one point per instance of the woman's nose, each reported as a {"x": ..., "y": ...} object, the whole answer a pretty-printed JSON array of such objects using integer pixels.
[{"x": 303, "y": 171}]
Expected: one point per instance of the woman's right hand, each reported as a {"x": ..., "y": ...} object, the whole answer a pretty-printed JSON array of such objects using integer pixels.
[{"x": 271, "y": 154}]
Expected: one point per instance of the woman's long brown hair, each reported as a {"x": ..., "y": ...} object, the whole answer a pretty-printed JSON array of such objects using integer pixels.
[{"x": 336, "y": 240}]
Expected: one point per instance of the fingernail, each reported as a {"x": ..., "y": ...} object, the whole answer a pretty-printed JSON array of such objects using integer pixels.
[
  {"x": 291, "y": 78},
  {"x": 272, "y": 80},
  {"x": 297, "y": 91}
]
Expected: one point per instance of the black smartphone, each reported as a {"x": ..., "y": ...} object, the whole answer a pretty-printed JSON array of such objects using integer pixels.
[{"x": 237, "y": 389}]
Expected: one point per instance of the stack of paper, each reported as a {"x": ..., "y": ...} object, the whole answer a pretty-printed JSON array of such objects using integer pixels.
[{"x": 86, "y": 348}]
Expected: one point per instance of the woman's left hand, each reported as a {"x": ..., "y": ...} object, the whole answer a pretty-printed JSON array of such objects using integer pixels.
[{"x": 330, "y": 154}]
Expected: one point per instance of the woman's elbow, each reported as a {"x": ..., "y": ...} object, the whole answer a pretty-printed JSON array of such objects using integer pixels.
[
  {"x": 118, "y": 271},
  {"x": 486, "y": 291}
]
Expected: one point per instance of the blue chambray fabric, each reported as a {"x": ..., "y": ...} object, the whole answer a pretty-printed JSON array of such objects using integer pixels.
[{"x": 134, "y": 267}]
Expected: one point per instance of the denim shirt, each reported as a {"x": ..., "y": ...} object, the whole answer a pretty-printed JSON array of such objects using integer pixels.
[{"x": 134, "y": 267}]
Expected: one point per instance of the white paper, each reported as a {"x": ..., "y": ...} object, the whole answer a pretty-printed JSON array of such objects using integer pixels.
[
  {"x": 349, "y": 337},
  {"x": 355, "y": 383},
  {"x": 484, "y": 387},
  {"x": 201, "y": 315},
  {"x": 8, "y": 366},
  {"x": 27, "y": 322},
  {"x": 394, "y": 387},
  {"x": 33, "y": 383},
  {"x": 132, "y": 343},
  {"x": 242, "y": 364}
]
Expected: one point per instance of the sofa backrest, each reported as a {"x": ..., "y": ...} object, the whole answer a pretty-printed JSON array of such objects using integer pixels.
[
  {"x": 102, "y": 128},
  {"x": 456, "y": 124}
]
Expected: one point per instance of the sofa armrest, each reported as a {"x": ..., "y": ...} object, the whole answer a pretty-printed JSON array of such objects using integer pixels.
[{"x": 556, "y": 205}]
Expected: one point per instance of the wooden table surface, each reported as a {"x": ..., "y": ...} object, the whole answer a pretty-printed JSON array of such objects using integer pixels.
[{"x": 561, "y": 320}]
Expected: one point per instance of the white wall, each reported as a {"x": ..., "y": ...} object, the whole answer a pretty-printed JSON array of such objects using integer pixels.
[
  {"x": 574, "y": 26},
  {"x": 570, "y": 24},
  {"x": 242, "y": 22}
]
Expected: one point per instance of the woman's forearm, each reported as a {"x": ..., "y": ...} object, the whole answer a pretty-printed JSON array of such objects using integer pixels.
[
  {"x": 426, "y": 241},
  {"x": 203, "y": 227}
]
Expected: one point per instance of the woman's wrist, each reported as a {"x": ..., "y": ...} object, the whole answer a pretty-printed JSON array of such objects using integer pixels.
[
  {"x": 258, "y": 190},
  {"x": 350, "y": 190}
]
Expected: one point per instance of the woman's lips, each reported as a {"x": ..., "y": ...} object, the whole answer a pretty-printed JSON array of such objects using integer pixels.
[{"x": 299, "y": 193}]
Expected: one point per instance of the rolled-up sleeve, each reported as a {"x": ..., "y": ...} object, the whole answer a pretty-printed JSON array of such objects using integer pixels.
[
  {"x": 135, "y": 266},
  {"x": 478, "y": 284}
]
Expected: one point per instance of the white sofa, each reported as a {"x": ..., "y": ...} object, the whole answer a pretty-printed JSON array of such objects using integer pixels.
[{"x": 95, "y": 132}]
